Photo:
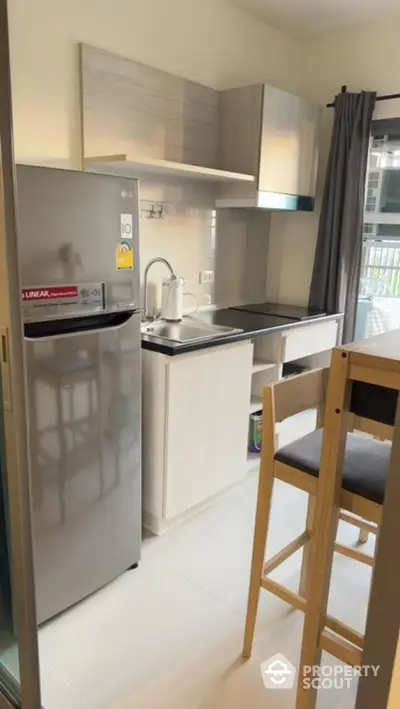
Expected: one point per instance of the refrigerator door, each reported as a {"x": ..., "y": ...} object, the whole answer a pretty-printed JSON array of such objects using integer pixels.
[
  {"x": 78, "y": 242},
  {"x": 85, "y": 440}
]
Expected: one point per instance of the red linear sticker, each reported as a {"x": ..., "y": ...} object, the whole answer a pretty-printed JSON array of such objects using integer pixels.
[{"x": 50, "y": 293}]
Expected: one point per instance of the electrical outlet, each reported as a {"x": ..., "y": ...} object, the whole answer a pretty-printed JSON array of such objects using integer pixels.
[{"x": 206, "y": 277}]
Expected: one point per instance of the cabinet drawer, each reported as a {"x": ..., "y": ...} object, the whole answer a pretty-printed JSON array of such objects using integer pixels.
[{"x": 306, "y": 341}]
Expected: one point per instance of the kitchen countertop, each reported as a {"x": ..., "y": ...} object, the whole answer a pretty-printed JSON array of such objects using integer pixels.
[{"x": 253, "y": 325}]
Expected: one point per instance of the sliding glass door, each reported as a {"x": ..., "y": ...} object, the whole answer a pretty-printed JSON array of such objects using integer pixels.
[
  {"x": 19, "y": 671},
  {"x": 379, "y": 294}
]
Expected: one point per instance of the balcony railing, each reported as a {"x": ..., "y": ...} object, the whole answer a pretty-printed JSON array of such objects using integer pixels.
[
  {"x": 380, "y": 269},
  {"x": 379, "y": 296}
]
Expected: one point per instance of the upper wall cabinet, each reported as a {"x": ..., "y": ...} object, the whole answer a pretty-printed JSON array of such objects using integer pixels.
[
  {"x": 142, "y": 122},
  {"x": 273, "y": 135},
  {"x": 257, "y": 144}
]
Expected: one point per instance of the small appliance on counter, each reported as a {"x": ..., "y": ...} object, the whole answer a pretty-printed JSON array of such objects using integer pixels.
[
  {"x": 172, "y": 298},
  {"x": 172, "y": 294}
]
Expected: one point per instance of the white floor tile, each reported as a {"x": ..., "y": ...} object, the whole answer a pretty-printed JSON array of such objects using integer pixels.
[
  {"x": 57, "y": 692},
  {"x": 143, "y": 625},
  {"x": 168, "y": 635}
]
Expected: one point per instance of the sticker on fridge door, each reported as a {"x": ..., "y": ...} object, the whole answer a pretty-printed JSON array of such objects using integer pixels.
[
  {"x": 126, "y": 226},
  {"x": 53, "y": 301},
  {"x": 124, "y": 256},
  {"x": 53, "y": 293}
]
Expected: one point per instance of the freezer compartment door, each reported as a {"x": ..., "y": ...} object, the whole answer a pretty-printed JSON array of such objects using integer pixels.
[
  {"x": 78, "y": 241},
  {"x": 85, "y": 451}
]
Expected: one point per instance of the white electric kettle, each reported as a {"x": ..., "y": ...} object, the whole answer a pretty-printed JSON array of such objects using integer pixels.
[{"x": 172, "y": 298}]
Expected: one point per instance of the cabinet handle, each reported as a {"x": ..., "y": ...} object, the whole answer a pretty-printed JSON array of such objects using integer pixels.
[{"x": 4, "y": 349}]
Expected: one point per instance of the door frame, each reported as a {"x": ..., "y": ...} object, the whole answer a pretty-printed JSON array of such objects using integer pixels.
[{"x": 15, "y": 427}]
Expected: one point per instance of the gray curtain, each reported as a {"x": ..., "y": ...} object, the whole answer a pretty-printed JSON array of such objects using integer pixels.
[{"x": 335, "y": 279}]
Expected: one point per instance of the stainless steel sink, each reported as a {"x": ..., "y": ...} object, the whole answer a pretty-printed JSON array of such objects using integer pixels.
[{"x": 187, "y": 330}]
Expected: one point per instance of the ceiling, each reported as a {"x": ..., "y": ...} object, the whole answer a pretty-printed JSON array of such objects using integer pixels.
[{"x": 305, "y": 17}]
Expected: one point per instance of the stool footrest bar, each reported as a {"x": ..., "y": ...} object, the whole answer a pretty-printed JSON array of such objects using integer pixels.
[{"x": 286, "y": 552}]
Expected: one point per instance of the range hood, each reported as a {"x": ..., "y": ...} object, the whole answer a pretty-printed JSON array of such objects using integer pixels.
[{"x": 273, "y": 135}]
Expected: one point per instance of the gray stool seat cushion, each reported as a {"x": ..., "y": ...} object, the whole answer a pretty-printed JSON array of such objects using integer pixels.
[{"x": 366, "y": 463}]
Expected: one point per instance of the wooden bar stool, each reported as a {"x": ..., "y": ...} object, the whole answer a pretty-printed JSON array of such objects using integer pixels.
[
  {"x": 298, "y": 464},
  {"x": 365, "y": 383},
  {"x": 379, "y": 431}
]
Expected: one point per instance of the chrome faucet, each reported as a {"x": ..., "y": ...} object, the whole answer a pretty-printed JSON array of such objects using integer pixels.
[{"x": 166, "y": 263}]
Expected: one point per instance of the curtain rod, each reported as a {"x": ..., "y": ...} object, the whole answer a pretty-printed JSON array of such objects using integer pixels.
[{"x": 388, "y": 97}]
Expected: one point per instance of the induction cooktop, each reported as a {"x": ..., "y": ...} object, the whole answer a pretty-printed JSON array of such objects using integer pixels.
[{"x": 291, "y": 312}]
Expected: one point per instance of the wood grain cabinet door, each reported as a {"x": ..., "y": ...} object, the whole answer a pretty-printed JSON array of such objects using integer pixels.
[{"x": 289, "y": 144}]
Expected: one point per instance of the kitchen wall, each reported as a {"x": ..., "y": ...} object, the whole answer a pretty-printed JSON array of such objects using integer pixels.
[
  {"x": 241, "y": 256},
  {"x": 210, "y": 42},
  {"x": 185, "y": 236},
  {"x": 364, "y": 57},
  {"x": 215, "y": 44}
]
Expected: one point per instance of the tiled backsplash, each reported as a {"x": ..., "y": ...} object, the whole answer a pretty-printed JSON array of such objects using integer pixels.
[
  {"x": 185, "y": 236},
  {"x": 241, "y": 253},
  {"x": 194, "y": 236}
]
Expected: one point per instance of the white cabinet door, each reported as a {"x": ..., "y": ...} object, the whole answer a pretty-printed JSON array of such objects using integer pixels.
[{"x": 207, "y": 424}]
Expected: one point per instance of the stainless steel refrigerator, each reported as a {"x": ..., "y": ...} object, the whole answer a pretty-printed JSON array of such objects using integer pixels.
[{"x": 78, "y": 241}]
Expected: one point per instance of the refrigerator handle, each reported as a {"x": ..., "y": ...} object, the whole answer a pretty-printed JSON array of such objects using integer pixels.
[
  {"x": 5, "y": 369},
  {"x": 52, "y": 329}
]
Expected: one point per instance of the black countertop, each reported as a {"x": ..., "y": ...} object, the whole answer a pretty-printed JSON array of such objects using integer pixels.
[{"x": 253, "y": 325}]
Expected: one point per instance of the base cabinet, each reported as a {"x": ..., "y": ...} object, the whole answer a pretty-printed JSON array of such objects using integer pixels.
[
  {"x": 196, "y": 410},
  {"x": 195, "y": 427}
]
